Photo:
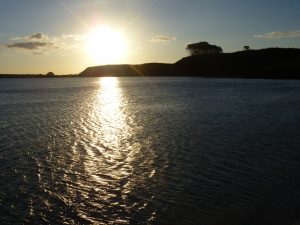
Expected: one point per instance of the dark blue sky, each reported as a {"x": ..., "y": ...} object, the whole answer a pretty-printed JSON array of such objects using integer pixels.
[{"x": 156, "y": 30}]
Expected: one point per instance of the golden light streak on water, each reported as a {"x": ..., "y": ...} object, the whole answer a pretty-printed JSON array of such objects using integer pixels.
[
  {"x": 110, "y": 111},
  {"x": 109, "y": 154}
]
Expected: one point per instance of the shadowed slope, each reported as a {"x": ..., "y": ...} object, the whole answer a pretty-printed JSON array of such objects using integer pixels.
[{"x": 148, "y": 69}]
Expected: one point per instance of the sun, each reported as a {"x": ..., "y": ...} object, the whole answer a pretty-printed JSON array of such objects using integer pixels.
[{"x": 104, "y": 45}]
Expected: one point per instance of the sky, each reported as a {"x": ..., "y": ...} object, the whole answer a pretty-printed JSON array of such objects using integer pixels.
[{"x": 66, "y": 36}]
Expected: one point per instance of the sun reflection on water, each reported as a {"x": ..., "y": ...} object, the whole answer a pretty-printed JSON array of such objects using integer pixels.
[
  {"x": 110, "y": 111},
  {"x": 114, "y": 161},
  {"x": 109, "y": 118}
]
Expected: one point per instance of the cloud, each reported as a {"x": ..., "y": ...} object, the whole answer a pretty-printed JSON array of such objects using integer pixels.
[
  {"x": 279, "y": 34},
  {"x": 162, "y": 38},
  {"x": 34, "y": 36},
  {"x": 38, "y": 36},
  {"x": 39, "y": 43},
  {"x": 74, "y": 37},
  {"x": 31, "y": 45}
]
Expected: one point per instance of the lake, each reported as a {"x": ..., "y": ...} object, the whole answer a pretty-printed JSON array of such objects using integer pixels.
[{"x": 149, "y": 151}]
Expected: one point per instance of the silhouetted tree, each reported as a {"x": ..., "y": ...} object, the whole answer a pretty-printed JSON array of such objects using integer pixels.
[
  {"x": 246, "y": 48},
  {"x": 204, "y": 47},
  {"x": 50, "y": 74}
]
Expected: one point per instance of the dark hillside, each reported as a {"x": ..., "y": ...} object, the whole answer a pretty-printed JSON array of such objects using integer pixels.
[
  {"x": 264, "y": 63},
  {"x": 148, "y": 69},
  {"x": 273, "y": 62}
]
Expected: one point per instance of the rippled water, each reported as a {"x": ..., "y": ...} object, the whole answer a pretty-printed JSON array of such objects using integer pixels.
[{"x": 149, "y": 151}]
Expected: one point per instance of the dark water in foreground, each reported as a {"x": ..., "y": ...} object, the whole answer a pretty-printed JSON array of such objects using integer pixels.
[{"x": 149, "y": 151}]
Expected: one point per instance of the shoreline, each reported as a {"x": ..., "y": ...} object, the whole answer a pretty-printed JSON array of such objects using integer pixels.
[{"x": 296, "y": 77}]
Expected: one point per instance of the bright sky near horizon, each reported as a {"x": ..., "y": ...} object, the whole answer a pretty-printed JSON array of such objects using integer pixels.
[{"x": 66, "y": 36}]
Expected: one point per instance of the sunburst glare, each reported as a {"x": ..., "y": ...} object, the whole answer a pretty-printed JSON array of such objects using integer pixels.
[{"x": 106, "y": 45}]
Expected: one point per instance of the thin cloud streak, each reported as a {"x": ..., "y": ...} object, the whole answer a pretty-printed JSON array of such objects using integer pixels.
[
  {"x": 35, "y": 36},
  {"x": 162, "y": 38},
  {"x": 279, "y": 34},
  {"x": 33, "y": 45},
  {"x": 74, "y": 37}
]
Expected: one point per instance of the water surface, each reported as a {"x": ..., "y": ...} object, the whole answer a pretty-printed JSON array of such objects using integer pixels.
[{"x": 149, "y": 151}]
